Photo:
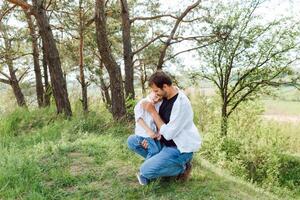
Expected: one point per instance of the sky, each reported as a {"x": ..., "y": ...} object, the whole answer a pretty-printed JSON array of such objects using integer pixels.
[{"x": 270, "y": 10}]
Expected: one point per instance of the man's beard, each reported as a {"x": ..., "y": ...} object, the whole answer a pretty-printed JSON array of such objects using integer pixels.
[{"x": 164, "y": 95}]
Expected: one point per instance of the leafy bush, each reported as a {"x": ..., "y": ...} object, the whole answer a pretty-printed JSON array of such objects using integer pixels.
[
  {"x": 130, "y": 103},
  {"x": 289, "y": 171},
  {"x": 231, "y": 147},
  {"x": 252, "y": 149}
]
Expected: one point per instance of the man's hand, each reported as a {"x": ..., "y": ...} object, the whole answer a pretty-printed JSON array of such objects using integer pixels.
[
  {"x": 144, "y": 144},
  {"x": 148, "y": 107}
]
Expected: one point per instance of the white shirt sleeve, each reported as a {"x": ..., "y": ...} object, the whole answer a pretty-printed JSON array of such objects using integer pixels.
[
  {"x": 181, "y": 115},
  {"x": 138, "y": 111}
]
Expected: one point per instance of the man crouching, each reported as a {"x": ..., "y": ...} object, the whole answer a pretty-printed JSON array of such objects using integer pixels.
[{"x": 179, "y": 135}]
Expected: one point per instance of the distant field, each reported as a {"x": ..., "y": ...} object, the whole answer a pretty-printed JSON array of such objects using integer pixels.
[
  {"x": 290, "y": 132},
  {"x": 281, "y": 107},
  {"x": 286, "y": 116},
  {"x": 286, "y": 103},
  {"x": 288, "y": 94}
]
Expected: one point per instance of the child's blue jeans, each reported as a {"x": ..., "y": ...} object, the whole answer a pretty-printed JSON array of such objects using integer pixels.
[{"x": 154, "y": 146}]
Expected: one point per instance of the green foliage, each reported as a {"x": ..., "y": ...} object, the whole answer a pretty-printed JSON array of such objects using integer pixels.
[
  {"x": 231, "y": 147},
  {"x": 206, "y": 111},
  {"x": 130, "y": 103},
  {"x": 249, "y": 56},
  {"x": 289, "y": 171},
  {"x": 23, "y": 119},
  {"x": 89, "y": 123},
  {"x": 253, "y": 150},
  {"x": 18, "y": 173}
]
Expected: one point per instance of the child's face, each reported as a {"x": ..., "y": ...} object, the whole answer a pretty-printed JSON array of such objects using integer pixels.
[{"x": 156, "y": 99}]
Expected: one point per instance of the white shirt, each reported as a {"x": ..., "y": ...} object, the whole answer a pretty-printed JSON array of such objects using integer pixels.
[
  {"x": 139, "y": 112},
  {"x": 181, "y": 128}
]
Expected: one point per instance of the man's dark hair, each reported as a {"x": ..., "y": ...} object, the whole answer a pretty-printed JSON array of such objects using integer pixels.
[{"x": 159, "y": 78}]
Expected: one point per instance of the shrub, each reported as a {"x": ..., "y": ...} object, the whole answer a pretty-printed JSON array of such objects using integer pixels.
[
  {"x": 130, "y": 103},
  {"x": 231, "y": 147},
  {"x": 252, "y": 149},
  {"x": 289, "y": 171}
]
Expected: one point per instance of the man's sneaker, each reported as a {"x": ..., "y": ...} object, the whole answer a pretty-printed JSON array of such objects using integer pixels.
[
  {"x": 185, "y": 175},
  {"x": 142, "y": 180}
]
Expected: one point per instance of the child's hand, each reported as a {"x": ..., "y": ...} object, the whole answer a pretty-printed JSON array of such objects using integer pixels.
[
  {"x": 158, "y": 136},
  {"x": 152, "y": 135}
]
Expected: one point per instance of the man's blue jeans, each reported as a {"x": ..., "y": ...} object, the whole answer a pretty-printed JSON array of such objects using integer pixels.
[{"x": 168, "y": 162}]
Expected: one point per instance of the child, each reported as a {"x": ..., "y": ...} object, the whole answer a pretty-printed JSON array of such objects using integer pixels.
[{"x": 145, "y": 126}]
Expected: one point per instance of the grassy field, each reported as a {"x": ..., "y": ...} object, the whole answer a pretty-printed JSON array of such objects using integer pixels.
[
  {"x": 47, "y": 157},
  {"x": 290, "y": 132},
  {"x": 286, "y": 116},
  {"x": 281, "y": 107}
]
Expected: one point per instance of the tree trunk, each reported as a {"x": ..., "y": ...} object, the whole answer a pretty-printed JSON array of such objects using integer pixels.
[
  {"x": 47, "y": 93},
  {"x": 143, "y": 79},
  {"x": 127, "y": 50},
  {"x": 114, "y": 71},
  {"x": 13, "y": 80},
  {"x": 224, "y": 92},
  {"x": 82, "y": 82},
  {"x": 144, "y": 93},
  {"x": 37, "y": 69},
  {"x": 104, "y": 88},
  {"x": 224, "y": 120},
  {"x": 15, "y": 84},
  {"x": 58, "y": 82}
]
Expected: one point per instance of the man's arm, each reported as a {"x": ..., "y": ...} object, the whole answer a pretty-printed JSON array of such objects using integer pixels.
[{"x": 180, "y": 116}]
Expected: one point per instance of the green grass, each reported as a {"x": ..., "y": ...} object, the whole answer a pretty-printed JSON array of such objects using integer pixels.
[
  {"x": 87, "y": 158},
  {"x": 291, "y": 133},
  {"x": 285, "y": 117}
]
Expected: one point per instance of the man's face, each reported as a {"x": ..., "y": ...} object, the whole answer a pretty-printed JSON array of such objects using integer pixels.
[{"x": 160, "y": 93}]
